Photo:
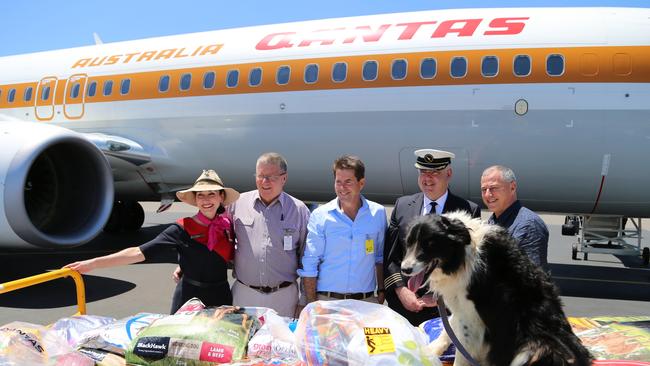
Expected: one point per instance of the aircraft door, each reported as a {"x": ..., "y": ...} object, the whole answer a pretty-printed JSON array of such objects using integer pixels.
[
  {"x": 74, "y": 96},
  {"x": 44, "y": 99},
  {"x": 459, "y": 183}
]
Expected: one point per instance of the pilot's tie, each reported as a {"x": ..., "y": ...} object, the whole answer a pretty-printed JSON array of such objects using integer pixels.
[{"x": 432, "y": 210}]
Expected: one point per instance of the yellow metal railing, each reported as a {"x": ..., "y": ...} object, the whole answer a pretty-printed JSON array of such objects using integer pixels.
[{"x": 49, "y": 276}]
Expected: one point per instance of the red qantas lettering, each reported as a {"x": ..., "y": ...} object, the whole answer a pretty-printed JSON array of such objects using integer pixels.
[
  {"x": 368, "y": 34},
  {"x": 323, "y": 41},
  {"x": 271, "y": 43},
  {"x": 510, "y": 24},
  {"x": 457, "y": 27},
  {"x": 466, "y": 30},
  {"x": 411, "y": 28}
]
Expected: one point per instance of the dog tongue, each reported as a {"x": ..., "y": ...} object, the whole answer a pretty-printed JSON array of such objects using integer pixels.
[{"x": 415, "y": 282}]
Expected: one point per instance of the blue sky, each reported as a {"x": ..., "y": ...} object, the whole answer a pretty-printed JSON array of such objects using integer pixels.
[{"x": 40, "y": 25}]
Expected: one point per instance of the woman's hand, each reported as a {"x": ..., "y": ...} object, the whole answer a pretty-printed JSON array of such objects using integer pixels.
[
  {"x": 81, "y": 266},
  {"x": 177, "y": 274}
]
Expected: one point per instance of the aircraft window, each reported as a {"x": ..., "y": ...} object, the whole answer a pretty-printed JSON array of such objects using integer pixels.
[
  {"x": 108, "y": 88},
  {"x": 589, "y": 64},
  {"x": 208, "y": 80},
  {"x": 255, "y": 76},
  {"x": 28, "y": 94},
  {"x": 232, "y": 79},
  {"x": 521, "y": 65},
  {"x": 458, "y": 67},
  {"x": 369, "y": 72},
  {"x": 490, "y": 66},
  {"x": 163, "y": 84},
  {"x": 45, "y": 92},
  {"x": 125, "y": 86},
  {"x": 92, "y": 89},
  {"x": 311, "y": 73},
  {"x": 555, "y": 65},
  {"x": 398, "y": 70},
  {"x": 283, "y": 74},
  {"x": 186, "y": 81},
  {"x": 339, "y": 72},
  {"x": 428, "y": 68},
  {"x": 11, "y": 96},
  {"x": 74, "y": 91},
  {"x": 622, "y": 64}
]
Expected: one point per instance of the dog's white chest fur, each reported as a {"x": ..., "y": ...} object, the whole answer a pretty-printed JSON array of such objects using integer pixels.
[{"x": 468, "y": 327}]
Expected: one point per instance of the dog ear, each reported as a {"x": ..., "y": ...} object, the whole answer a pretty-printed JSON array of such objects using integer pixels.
[
  {"x": 458, "y": 231},
  {"x": 444, "y": 222}
]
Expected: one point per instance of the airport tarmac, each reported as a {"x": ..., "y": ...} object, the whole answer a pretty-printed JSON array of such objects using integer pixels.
[{"x": 603, "y": 285}]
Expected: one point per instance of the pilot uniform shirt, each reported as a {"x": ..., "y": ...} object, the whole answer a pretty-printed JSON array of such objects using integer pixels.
[
  {"x": 343, "y": 253},
  {"x": 527, "y": 228},
  {"x": 204, "y": 270},
  {"x": 270, "y": 238}
]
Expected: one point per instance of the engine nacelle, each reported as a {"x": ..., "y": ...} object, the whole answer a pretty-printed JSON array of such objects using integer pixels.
[{"x": 57, "y": 187}]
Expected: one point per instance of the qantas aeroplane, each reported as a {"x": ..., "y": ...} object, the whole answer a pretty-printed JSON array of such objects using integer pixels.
[{"x": 561, "y": 95}]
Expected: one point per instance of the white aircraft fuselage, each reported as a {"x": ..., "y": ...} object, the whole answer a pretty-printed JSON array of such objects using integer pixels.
[{"x": 560, "y": 95}]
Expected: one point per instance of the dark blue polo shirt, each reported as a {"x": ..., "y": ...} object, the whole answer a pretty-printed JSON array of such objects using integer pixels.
[{"x": 528, "y": 228}]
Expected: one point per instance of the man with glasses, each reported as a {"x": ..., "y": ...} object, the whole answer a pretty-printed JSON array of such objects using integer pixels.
[
  {"x": 434, "y": 174},
  {"x": 344, "y": 251},
  {"x": 270, "y": 229},
  {"x": 499, "y": 193}
]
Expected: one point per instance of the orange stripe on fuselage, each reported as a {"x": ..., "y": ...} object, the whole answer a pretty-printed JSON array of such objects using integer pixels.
[{"x": 625, "y": 64}]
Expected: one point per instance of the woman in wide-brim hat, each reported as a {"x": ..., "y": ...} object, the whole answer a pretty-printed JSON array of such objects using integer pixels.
[{"x": 204, "y": 242}]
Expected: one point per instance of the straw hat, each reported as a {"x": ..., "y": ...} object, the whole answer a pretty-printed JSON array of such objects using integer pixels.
[{"x": 208, "y": 181}]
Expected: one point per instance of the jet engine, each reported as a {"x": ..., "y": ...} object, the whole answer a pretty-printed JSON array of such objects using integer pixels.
[{"x": 56, "y": 187}]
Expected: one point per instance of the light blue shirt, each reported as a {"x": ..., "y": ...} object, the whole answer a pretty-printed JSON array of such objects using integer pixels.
[{"x": 343, "y": 253}]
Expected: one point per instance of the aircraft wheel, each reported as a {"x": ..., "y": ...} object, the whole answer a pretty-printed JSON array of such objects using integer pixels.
[
  {"x": 646, "y": 256},
  {"x": 132, "y": 216},
  {"x": 126, "y": 215},
  {"x": 585, "y": 257},
  {"x": 574, "y": 252},
  {"x": 114, "y": 223}
]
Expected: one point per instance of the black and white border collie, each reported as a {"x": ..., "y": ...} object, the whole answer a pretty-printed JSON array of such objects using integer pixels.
[{"x": 506, "y": 310}]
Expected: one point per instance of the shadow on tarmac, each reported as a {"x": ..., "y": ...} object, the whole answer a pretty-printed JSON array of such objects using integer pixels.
[
  {"x": 17, "y": 264},
  {"x": 602, "y": 282}
]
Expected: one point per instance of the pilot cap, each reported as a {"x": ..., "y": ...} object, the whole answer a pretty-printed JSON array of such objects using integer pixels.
[{"x": 430, "y": 159}]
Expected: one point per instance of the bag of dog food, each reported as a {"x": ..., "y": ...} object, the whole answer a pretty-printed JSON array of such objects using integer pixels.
[
  {"x": 351, "y": 332},
  {"x": 203, "y": 337},
  {"x": 117, "y": 336}
]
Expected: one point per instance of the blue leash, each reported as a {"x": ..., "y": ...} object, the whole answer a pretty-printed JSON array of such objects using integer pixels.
[{"x": 450, "y": 332}]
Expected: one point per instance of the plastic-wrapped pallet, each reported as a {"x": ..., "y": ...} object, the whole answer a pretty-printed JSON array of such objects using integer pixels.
[{"x": 351, "y": 332}]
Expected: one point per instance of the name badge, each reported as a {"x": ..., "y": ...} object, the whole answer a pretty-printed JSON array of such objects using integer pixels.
[
  {"x": 370, "y": 245},
  {"x": 288, "y": 239}
]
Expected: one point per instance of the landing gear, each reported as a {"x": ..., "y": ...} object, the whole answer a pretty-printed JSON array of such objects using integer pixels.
[{"x": 126, "y": 216}]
